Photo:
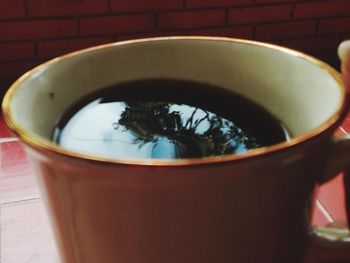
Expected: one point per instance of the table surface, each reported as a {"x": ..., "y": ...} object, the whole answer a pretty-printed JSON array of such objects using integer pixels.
[{"x": 25, "y": 233}]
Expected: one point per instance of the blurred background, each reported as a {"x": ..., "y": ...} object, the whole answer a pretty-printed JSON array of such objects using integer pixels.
[{"x": 34, "y": 31}]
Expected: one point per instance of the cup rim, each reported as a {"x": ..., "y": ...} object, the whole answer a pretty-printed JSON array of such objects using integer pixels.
[{"x": 46, "y": 146}]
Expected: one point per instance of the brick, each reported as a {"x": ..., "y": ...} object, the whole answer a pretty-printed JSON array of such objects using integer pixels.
[
  {"x": 334, "y": 25},
  {"x": 16, "y": 51},
  {"x": 11, "y": 8},
  {"x": 142, "y": 5},
  {"x": 191, "y": 19},
  {"x": 4, "y": 85},
  {"x": 274, "y": 1},
  {"x": 285, "y": 30},
  {"x": 259, "y": 14},
  {"x": 13, "y": 70},
  {"x": 322, "y": 9},
  {"x": 53, "y": 48},
  {"x": 330, "y": 57},
  {"x": 217, "y": 3},
  {"x": 236, "y": 31},
  {"x": 42, "y": 29},
  {"x": 316, "y": 43},
  {"x": 59, "y": 7},
  {"x": 116, "y": 24}
]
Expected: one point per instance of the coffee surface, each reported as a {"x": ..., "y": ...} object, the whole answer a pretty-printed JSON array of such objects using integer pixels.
[{"x": 166, "y": 119}]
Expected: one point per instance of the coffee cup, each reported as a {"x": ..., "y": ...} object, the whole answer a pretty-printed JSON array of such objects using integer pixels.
[{"x": 244, "y": 208}]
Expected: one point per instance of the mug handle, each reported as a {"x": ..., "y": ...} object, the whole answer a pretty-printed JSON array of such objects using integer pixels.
[{"x": 332, "y": 244}]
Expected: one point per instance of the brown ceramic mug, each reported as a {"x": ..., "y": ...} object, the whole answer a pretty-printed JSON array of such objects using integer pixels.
[{"x": 251, "y": 207}]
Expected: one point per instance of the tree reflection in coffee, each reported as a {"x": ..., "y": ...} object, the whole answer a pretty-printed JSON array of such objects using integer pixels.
[{"x": 166, "y": 119}]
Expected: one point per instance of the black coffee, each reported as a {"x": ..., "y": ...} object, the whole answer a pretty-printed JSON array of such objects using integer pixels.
[{"x": 168, "y": 119}]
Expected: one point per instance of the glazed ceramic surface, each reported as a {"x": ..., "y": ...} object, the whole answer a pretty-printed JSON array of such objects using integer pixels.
[{"x": 252, "y": 207}]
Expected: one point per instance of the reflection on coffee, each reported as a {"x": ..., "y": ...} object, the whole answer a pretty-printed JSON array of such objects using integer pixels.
[{"x": 166, "y": 119}]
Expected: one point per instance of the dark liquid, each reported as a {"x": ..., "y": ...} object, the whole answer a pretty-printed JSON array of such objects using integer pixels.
[{"x": 166, "y": 119}]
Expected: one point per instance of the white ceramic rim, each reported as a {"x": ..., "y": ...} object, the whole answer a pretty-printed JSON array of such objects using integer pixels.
[{"x": 46, "y": 146}]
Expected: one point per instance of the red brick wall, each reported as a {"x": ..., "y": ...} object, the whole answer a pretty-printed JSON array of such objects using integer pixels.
[{"x": 33, "y": 31}]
